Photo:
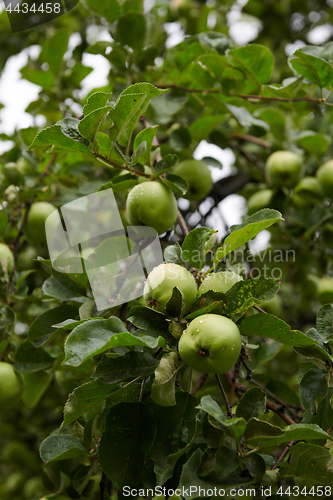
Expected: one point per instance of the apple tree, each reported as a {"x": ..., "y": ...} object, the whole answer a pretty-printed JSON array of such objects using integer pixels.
[{"x": 215, "y": 380}]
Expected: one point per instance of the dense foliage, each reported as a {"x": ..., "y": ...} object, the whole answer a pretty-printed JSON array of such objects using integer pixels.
[{"x": 105, "y": 406}]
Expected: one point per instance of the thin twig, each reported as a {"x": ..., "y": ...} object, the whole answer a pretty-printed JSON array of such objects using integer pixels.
[
  {"x": 250, "y": 138},
  {"x": 284, "y": 453},
  {"x": 200, "y": 382},
  {"x": 182, "y": 224},
  {"x": 226, "y": 402},
  {"x": 243, "y": 96}
]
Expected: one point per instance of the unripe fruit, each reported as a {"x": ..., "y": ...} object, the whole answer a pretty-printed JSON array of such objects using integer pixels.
[
  {"x": 308, "y": 192},
  {"x": 259, "y": 200},
  {"x": 219, "y": 282},
  {"x": 6, "y": 258},
  {"x": 210, "y": 344},
  {"x": 283, "y": 168},
  {"x": 10, "y": 387},
  {"x": 160, "y": 283},
  {"x": 34, "y": 229},
  {"x": 325, "y": 290},
  {"x": 325, "y": 177},
  {"x": 198, "y": 177},
  {"x": 151, "y": 204}
]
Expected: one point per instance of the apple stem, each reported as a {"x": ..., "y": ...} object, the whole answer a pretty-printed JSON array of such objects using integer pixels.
[{"x": 227, "y": 404}]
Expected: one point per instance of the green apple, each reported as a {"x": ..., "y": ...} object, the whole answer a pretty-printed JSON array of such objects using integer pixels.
[
  {"x": 34, "y": 229},
  {"x": 198, "y": 177},
  {"x": 210, "y": 344},
  {"x": 6, "y": 258},
  {"x": 325, "y": 290},
  {"x": 325, "y": 177},
  {"x": 283, "y": 169},
  {"x": 307, "y": 192},
  {"x": 10, "y": 387},
  {"x": 219, "y": 282},
  {"x": 151, "y": 204},
  {"x": 259, "y": 200},
  {"x": 160, "y": 283}
]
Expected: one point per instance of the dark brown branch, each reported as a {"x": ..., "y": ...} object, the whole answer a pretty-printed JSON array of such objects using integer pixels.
[{"x": 284, "y": 453}]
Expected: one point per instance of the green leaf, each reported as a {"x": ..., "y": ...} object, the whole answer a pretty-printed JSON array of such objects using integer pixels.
[
  {"x": 163, "y": 388},
  {"x": 96, "y": 336},
  {"x": 314, "y": 143},
  {"x": 130, "y": 105},
  {"x": 150, "y": 322},
  {"x": 309, "y": 461},
  {"x": 70, "y": 128},
  {"x": 208, "y": 405},
  {"x": 175, "y": 429},
  {"x": 193, "y": 485},
  {"x": 324, "y": 414},
  {"x": 130, "y": 433},
  {"x": 54, "y": 136},
  {"x": 226, "y": 461},
  {"x": 131, "y": 365},
  {"x": 176, "y": 304},
  {"x": 95, "y": 101},
  {"x": 146, "y": 135},
  {"x": 110, "y": 10},
  {"x": 175, "y": 183},
  {"x": 252, "y": 404},
  {"x": 54, "y": 49},
  {"x": 264, "y": 435},
  {"x": 89, "y": 125},
  {"x": 42, "y": 329},
  {"x": 194, "y": 246},
  {"x": 208, "y": 302},
  {"x": 35, "y": 385},
  {"x": 203, "y": 126},
  {"x": 131, "y": 30},
  {"x": 138, "y": 153},
  {"x": 245, "y": 294},
  {"x": 165, "y": 164},
  {"x": 245, "y": 119},
  {"x": 313, "y": 68},
  {"x": 270, "y": 326},
  {"x": 63, "y": 287},
  {"x": 313, "y": 388},
  {"x": 255, "y": 61},
  {"x": 173, "y": 253},
  {"x": 93, "y": 393},
  {"x": 247, "y": 230},
  {"x": 62, "y": 447},
  {"x": 39, "y": 77},
  {"x": 31, "y": 359},
  {"x": 324, "y": 321}
]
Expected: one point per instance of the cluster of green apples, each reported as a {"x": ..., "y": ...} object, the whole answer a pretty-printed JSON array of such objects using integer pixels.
[
  {"x": 284, "y": 170},
  {"x": 153, "y": 204},
  {"x": 210, "y": 343}
]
